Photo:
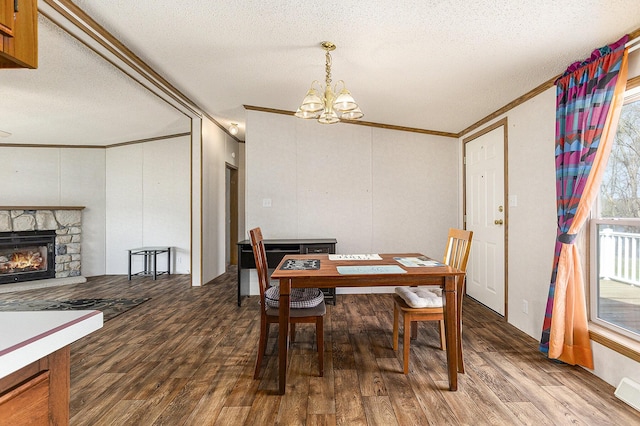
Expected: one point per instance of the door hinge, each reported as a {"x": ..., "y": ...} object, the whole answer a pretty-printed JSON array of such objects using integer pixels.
[{"x": 15, "y": 6}]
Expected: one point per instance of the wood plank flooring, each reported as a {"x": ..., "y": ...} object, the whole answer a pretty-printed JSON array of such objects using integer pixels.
[{"x": 186, "y": 357}]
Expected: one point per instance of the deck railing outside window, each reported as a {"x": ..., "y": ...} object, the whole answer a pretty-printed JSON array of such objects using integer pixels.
[
  {"x": 615, "y": 250},
  {"x": 619, "y": 256}
]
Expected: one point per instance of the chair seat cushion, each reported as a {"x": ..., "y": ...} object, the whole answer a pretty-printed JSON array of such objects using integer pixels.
[
  {"x": 421, "y": 297},
  {"x": 299, "y": 298},
  {"x": 317, "y": 311}
]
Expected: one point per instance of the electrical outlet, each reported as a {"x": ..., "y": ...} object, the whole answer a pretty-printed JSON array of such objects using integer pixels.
[{"x": 525, "y": 306}]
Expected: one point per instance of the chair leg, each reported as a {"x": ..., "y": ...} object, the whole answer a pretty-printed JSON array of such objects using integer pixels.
[
  {"x": 407, "y": 339},
  {"x": 292, "y": 332},
  {"x": 320, "y": 344},
  {"x": 443, "y": 340},
  {"x": 460, "y": 361},
  {"x": 414, "y": 330},
  {"x": 459, "y": 325},
  {"x": 395, "y": 326},
  {"x": 262, "y": 345}
]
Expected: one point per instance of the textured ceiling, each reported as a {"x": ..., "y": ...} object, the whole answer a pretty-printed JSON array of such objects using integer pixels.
[
  {"x": 77, "y": 98},
  {"x": 428, "y": 64}
]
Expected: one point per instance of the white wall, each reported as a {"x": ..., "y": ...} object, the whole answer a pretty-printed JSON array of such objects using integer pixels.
[
  {"x": 61, "y": 177},
  {"x": 82, "y": 180},
  {"x": 217, "y": 148},
  {"x": 232, "y": 154},
  {"x": 532, "y": 223},
  {"x": 148, "y": 201},
  {"x": 135, "y": 195},
  {"x": 374, "y": 190},
  {"x": 197, "y": 234}
]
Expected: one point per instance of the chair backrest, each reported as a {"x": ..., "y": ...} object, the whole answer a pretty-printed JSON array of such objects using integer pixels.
[
  {"x": 260, "y": 256},
  {"x": 458, "y": 246}
]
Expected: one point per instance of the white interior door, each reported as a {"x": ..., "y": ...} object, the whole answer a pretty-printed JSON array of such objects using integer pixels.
[{"x": 485, "y": 216}]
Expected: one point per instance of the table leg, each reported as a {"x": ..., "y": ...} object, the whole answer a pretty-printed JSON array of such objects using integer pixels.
[
  {"x": 460, "y": 289},
  {"x": 283, "y": 333},
  {"x": 239, "y": 274},
  {"x": 168, "y": 260},
  {"x": 155, "y": 263},
  {"x": 129, "y": 265},
  {"x": 451, "y": 328},
  {"x": 146, "y": 262}
]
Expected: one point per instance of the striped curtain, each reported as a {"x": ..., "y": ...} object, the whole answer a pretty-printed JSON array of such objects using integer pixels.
[{"x": 588, "y": 103}]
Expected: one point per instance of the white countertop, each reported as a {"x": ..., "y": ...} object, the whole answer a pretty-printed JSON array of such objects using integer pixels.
[{"x": 26, "y": 337}]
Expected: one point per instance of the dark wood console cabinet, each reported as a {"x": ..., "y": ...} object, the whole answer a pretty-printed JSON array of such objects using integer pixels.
[{"x": 276, "y": 250}]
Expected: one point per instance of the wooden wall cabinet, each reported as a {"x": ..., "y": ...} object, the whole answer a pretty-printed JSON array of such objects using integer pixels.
[
  {"x": 6, "y": 17},
  {"x": 19, "y": 34}
]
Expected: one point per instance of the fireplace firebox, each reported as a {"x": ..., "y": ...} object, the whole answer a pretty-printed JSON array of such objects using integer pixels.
[{"x": 27, "y": 256}]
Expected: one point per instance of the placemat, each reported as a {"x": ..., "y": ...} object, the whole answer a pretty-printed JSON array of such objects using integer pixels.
[
  {"x": 367, "y": 256},
  {"x": 370, "y": 269},
  {"x": 301, "y": 264},
  {"x": 413, "y": 262}
]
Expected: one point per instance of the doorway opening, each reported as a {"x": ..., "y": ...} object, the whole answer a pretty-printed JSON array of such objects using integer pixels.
[{"x": 231, "y": 215}]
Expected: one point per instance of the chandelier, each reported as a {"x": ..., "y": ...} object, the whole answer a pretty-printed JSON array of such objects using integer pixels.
[{"x": 329, "y": 108}]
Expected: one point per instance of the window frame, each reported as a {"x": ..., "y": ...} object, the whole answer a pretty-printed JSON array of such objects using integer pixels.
[{"x": 607, "y": 334}]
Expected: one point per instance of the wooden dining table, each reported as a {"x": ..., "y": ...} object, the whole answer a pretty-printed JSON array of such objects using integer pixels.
[{"x": 369, "y": 273}]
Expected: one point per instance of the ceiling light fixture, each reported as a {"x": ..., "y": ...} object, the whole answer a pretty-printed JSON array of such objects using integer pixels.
[
  {"x": 329, "y": 108},
  {"x": 233, "y": 129}
]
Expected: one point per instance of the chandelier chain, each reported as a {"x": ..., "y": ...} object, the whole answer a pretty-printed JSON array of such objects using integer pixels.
[{"x": 328, "y": 68}]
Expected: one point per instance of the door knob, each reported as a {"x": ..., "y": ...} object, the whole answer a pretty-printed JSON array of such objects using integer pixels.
[{"x": 498, "y": 221}]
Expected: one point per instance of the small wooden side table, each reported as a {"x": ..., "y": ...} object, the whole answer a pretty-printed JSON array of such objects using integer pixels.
[{"x": 150, "y": 261}]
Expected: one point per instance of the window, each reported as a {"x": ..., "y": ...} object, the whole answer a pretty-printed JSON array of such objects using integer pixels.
[{"x": 615, "y": 234}]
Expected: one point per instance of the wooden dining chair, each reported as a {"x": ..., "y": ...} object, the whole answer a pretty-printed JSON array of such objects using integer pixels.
[
  {"x": 270, "y": 315},
  {"x": 456, "y": 255}
]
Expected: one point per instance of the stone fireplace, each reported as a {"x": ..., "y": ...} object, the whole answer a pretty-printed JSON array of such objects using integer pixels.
[{"x": 40, "y": 242}]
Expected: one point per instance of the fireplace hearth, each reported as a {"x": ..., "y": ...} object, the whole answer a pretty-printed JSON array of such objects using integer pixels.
[{"x": 27, "y": 256}]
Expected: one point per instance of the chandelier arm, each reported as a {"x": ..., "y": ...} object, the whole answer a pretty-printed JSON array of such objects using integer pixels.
[{"x": 318, "y": 83}]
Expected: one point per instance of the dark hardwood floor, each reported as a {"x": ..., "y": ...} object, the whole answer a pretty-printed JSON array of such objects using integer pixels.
[{"x": 186, "y": 357}]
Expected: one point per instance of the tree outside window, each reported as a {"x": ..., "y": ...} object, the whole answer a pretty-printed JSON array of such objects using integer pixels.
[{"x": 620, "y": 190}]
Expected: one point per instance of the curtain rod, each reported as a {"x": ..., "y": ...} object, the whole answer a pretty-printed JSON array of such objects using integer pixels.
[{"x": 635, "y": 44}]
